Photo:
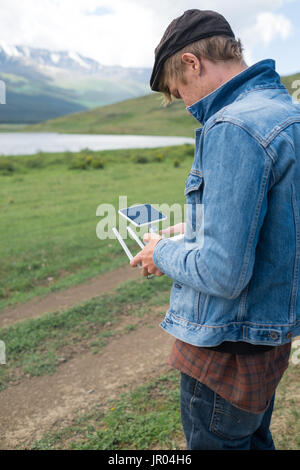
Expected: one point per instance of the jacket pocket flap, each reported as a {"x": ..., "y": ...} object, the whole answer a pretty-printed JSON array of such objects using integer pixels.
[{"x": 193, "y": 183}]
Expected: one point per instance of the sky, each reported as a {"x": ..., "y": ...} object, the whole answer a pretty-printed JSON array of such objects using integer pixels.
[{"x": 126, "y": 32}]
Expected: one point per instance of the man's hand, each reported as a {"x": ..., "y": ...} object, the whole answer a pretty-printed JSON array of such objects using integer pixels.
[
  {"x": 145, "y": 257},
  {"x": 178, "y": 228}
]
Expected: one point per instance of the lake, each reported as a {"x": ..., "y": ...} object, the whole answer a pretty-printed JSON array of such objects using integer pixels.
[{"x": 25, "y": 143}]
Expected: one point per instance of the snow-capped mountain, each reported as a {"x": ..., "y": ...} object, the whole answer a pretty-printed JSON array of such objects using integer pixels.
[
  {"x": 60, "y": 82},
  {"x": 42, "y": 57},
  {"x": 45, "y": 60}
]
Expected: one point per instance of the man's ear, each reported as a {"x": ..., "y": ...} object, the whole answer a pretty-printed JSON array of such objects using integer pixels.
[{"x": 191, "y": 60}]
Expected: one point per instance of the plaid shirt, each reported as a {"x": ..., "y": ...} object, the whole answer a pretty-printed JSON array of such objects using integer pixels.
[{"x": 248, "y": 381}]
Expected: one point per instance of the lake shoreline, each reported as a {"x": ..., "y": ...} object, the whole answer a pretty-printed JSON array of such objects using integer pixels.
[{"x": 31, "y": 143}]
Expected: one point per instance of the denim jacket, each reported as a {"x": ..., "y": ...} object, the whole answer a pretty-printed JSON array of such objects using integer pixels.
[{"x": 236, "y": 272}]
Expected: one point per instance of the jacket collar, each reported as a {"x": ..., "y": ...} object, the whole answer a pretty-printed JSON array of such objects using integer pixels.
[{"x": 260, "y": 75}]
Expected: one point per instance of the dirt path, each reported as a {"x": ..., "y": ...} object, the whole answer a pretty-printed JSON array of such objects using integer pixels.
[
  {"x": 69, "y": 297},
  {"x": 35, "y": 405},
  {"x": 38, "y": 404}
]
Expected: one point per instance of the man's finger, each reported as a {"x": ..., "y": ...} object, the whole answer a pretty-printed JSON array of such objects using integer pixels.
[
  {"x": 145, "y": 272},
  {"x": 150, "y": 236},
  {"x": 167, "y": 230},
  {"x": 146, "y": 237},
  {"x": 136, "y": 260},
  {"x": 180, "y": 227}
]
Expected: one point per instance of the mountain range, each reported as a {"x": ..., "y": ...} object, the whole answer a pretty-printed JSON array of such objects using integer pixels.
[
  {"x": 42, "y": 84},
  {"x": 143, "y": 115}
]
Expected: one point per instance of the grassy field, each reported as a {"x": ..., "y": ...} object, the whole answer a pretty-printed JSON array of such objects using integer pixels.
[
  {"x": 48, "y": 242},
  {"x": 144, "y": 115},
  {"x": 35, "y": 347},
  {"x": 148, "y": 416},
  {"x": 11, "y": 127},
  {"x": 48, "y": 212},
  {"x": 291, "y": 82}
]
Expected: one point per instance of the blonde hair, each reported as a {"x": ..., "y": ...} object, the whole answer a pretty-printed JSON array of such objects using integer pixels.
[{"x": 214, "y": 48}]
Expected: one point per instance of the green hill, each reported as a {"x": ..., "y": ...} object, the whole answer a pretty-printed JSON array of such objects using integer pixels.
[
  {"x": 139, "y": 116},
  {"x": 289, "y": 80},
  {"x": 42, "y": 84}
]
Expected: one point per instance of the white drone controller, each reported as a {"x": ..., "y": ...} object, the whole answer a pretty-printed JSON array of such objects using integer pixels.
[{"x": 141, "y": 215}]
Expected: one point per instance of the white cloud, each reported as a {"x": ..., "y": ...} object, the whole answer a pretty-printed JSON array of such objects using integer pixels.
[
  {"x": 269, "y": 25},
  {"x": 126, "y": 32}
]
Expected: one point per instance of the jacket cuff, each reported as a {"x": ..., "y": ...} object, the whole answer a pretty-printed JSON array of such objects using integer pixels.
[{"x": 156, "y": 253}]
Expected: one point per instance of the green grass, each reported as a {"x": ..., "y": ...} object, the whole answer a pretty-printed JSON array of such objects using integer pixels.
[
  {"x": 144, "y": 115},
  {"x": 285, "y": 425},
  {"x": 148, "y": 417},
  {"x": 288, "y": 82},
  {"x": 48, "y": 208},
  {"x": 37, "y": 346},
  {"x": 11, "y": 127},
  {"x": 139, "y": 419}
]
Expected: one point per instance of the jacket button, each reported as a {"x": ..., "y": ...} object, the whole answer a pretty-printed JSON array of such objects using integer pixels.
[
  {"x": 273, "y": 335},
  {"x": 289, "y": 335}
]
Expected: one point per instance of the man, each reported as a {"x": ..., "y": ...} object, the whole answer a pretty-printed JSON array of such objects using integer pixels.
[{"x": 235, "y": 300}]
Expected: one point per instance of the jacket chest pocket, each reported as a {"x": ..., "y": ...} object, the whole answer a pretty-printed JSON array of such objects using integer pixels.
[
  {"x": 193, "y": 188},
  {"x": 194, "y": 212}
]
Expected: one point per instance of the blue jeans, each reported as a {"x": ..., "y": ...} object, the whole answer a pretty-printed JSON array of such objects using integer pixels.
[{"x": 212, "y": 423}]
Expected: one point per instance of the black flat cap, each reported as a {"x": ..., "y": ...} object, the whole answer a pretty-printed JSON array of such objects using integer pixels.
[{"x": 192, "y": 26}]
